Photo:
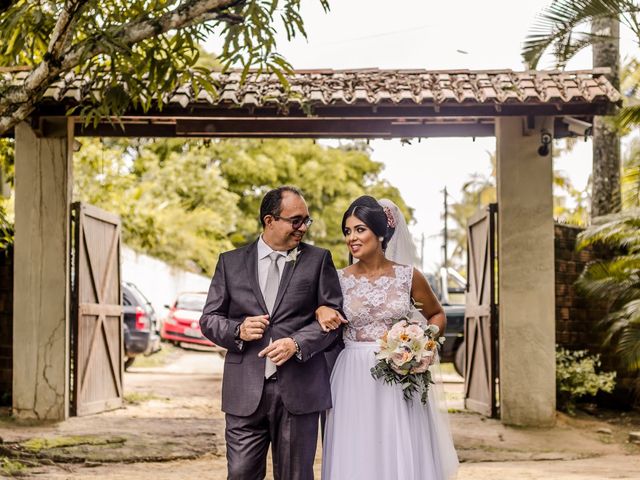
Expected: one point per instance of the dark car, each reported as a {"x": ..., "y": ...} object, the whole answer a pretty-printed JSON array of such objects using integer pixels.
[
  {"x": 449, "y": 287},
  {"x": 140, "y": 324}
]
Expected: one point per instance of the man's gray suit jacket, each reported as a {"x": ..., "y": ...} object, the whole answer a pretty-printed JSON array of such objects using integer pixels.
[{"x": 306, "y": 283}]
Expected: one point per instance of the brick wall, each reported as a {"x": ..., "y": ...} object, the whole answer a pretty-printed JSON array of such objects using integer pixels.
[
  {"x": 576, "y": 317},
  {"x": 6, "y": 327}
]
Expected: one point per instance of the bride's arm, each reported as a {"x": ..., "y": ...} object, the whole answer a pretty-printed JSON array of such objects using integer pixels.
[
  {"x": 328, "y": 318},
  {"x": 428, "y": 303}
]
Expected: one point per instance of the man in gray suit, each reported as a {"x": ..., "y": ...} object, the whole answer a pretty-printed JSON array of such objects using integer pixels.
[{"x": 262, "y": 307}]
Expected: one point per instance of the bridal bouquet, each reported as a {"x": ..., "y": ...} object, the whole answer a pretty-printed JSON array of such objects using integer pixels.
[{"x": 406, "y": 351}]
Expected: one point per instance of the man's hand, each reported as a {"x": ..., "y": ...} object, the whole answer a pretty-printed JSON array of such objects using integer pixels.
[
  {"x": 279, "y": 351},
  {"x": 329, "y": 319},
  {"x": 253, "y": 327}
]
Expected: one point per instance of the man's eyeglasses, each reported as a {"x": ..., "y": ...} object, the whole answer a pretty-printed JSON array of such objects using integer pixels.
[{"x": 296, "y": 222}]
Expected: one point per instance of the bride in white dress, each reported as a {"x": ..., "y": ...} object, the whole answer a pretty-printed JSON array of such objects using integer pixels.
[{"x": 372, "y": 432}]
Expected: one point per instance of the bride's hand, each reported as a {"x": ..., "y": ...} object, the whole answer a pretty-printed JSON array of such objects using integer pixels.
[{"x": 329, "y": 319}]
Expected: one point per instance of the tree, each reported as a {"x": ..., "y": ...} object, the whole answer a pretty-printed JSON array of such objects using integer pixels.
[
  {"x": 477, "y": 192},
  {"x": 6, "y": 233},
  {"x": 605, "y": 192},
  {"x": 558, "y": 28},
  {"x": 631, "y": 164},
  {"x": 617, "y": 281},
  {"x": 175, "y": 207},
  {"x": 480, "y": 190},
  {"x": 133, "y": 51},
  {"x": 631, "y": 177},
  {"x": 187, "y": 201},
  {"x": 329, "y": 177},
  {"x": 570, "y": 205}
]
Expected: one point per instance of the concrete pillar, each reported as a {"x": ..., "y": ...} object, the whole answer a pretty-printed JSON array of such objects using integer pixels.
[
  {"x": 526, "y": 274},
  {"x": 41, "y": 273}
]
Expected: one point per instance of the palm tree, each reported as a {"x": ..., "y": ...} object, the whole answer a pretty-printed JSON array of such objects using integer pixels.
[
  {"x": 477, "y": 192},
  {"x": 561, "y": 28},
  {"x": 6, "y": 232},
  {"x": 631, "y": 176},
  {"x": 631, "y": 165},
  {"x": 617, "y": 281},
  {"x": 558, "y": 27}
]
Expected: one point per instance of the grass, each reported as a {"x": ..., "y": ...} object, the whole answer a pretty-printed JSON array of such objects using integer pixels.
[
  {"x": 448, "y": 368},
  {"x": 11, "y": 467},
  {"x": 137, "y": 398},
  {"x": 158, "y": 359},
  {"x": 453, "y": 396},
  {"x": 36, "y": 445}
]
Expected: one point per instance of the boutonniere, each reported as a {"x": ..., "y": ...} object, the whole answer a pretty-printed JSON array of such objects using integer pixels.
[{"x": 292, "y": 256}]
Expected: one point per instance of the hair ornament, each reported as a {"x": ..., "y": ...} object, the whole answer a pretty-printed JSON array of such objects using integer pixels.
[{"x": 391, "y": 221}]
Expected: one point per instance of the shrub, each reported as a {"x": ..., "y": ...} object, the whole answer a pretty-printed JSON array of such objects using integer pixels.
[
  {"x": 617, "y": 281},
  {"x": 576, "y": 377},
  {"x": 6, "y": 232}
]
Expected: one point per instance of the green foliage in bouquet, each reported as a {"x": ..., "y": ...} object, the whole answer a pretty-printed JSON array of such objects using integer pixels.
[
  {"x": 576, "y": 377},
  {"x": 411, "y": 383},
  {"x": 407, "y": 350}
]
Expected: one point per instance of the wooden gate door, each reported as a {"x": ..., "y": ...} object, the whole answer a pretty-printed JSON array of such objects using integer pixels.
[
  {"x": 97, "y": 342},
  {"x": 481, "y": 315}
]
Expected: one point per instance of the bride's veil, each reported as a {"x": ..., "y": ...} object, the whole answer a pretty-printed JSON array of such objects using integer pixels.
[{"x": 401, "y": 249}]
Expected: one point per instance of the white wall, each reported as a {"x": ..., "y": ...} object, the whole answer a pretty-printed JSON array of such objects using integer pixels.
[{"x": 159, "y": 282}]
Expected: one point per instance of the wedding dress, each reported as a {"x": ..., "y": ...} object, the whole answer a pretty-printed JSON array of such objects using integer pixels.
[{"x": 372, "y": 432}]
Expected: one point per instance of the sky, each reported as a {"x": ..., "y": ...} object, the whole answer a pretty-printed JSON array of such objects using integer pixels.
[{"x": 435, "y": 35}]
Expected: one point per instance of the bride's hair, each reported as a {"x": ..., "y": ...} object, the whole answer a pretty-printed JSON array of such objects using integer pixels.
[{"x": 367, "y": 209}]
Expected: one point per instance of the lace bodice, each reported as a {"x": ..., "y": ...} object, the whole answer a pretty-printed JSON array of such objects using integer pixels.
[{"x": 373, "y": 306}]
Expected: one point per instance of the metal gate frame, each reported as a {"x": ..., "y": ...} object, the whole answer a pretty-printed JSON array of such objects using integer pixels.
[
  {"x": 481, "y": 371},
  {"x": 97, "y": 343}
]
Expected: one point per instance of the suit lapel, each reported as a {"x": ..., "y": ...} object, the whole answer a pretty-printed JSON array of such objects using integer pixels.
[
  {"x": 252, "y": 274},
  {"x": 289, "y": 268}
]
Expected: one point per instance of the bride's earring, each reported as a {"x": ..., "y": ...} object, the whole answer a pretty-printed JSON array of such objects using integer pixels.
[{"x": 380, "y": 239}]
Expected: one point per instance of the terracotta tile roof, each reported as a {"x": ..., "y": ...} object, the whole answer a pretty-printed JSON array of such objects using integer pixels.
[{"x": 380, "y": 87}]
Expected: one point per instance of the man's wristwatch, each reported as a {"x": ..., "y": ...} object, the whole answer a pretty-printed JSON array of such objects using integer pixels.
[
  {"x": 236, "y": 335},
  {"x": 298, "y": 351}
]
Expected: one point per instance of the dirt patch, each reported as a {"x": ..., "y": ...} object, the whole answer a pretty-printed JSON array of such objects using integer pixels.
[{"x": 172, "y": 428}]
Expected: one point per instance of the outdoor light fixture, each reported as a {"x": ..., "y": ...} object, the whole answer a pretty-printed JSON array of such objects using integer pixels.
[{"x": 545, "y": 142}]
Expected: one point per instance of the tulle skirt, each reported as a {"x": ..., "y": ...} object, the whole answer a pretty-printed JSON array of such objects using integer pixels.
[{"x": 372, "y": 432}]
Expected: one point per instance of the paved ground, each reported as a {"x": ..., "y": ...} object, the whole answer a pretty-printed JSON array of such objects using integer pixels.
[{"x": 172, "y": 428}]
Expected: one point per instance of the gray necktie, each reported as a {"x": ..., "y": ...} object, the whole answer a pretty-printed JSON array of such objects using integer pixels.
[
  {"x": 273, "y": 282},
  {"x": 270, "y": 294}
]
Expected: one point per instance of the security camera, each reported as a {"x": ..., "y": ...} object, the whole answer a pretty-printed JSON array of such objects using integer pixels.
[
  {"x": 545, "y": 143},
  {"x": 578, "y": 127}
]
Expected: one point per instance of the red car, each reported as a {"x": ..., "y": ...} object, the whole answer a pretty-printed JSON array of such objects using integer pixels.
[{"x": 182, "y": 324}]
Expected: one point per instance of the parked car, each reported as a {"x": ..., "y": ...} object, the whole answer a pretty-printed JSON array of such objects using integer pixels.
[
  {"x": 140, "y": 324},
  {"x": 449, "y": 286},
  {"x": 182, "y": 324}
]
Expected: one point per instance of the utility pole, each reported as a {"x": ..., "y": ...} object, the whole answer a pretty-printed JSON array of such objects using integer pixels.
[{"x": 445, "y": 231}]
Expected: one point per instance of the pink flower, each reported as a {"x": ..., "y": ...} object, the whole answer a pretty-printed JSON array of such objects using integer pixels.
[
  {"x": 414, "y": 331},
  {"x": 396, "y": 331},
  {"x": 424, "y": 365},
  {"x": 400, "y": 358}
]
